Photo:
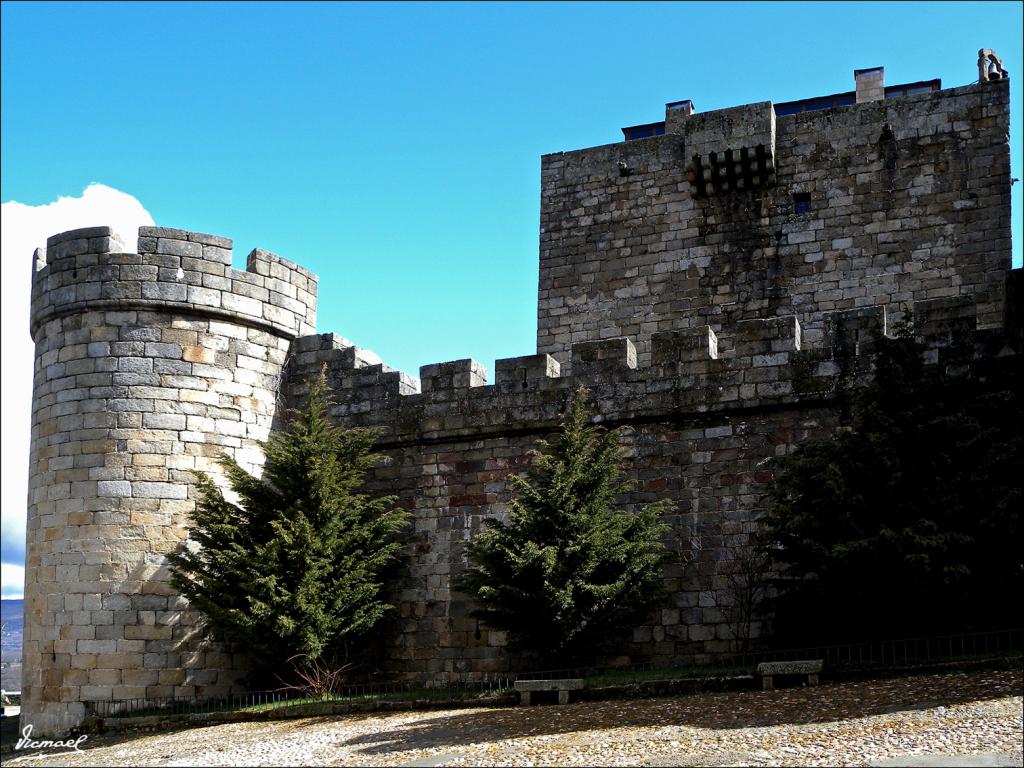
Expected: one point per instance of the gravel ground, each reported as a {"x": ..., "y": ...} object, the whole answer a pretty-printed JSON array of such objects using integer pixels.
[{"x": 849, "y": 723}]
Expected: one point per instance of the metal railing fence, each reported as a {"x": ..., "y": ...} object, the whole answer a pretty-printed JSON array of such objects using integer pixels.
[
  {"x": 259, "y": 700},
  {"x": 878, "y": 654}
]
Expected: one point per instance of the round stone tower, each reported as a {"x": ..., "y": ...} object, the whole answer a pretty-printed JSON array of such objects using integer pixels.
[{"x": 147, "y": 366}]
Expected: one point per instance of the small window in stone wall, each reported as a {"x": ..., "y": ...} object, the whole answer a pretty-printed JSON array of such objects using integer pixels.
[{"x": 801, "y": 202}]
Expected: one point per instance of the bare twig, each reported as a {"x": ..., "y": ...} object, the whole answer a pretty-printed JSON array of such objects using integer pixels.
[{"x": 317, "y": 678}]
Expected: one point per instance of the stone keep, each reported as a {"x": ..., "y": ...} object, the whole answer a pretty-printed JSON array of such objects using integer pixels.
[
  {"x": 907, "y": 199},
  {"x": 678, "y": 281}
]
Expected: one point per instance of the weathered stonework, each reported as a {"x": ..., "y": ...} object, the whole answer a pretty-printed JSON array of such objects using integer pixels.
[
  {"x": 147, "y": 365},
  {"x": 703, "y": 421},
  {"x": 710, "y": 319},
  {"x": 909, "y": 200}
]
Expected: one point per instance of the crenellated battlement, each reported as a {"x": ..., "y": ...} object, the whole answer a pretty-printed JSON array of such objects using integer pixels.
[
  {"x": 354, "y": 374},
  {"x": 754, "y": 364},
  {"x": 172, "y": 269}
]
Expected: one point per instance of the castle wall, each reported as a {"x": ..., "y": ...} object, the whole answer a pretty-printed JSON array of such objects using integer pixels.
[
  {"x": 714, "y": 469},
  {"x": 909, "y": 200},
  {"x": 147, "y": 365},
  {"x": 702, "y": 420}
]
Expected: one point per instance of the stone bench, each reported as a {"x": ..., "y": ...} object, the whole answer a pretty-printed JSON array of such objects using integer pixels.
[
  {"x": 528, "y": 687},
  {"x": 769, "y": 669}
]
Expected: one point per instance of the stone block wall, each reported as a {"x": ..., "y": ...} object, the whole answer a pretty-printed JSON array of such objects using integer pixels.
[
  {"x": 703, "y": 420},
  {"x": 907, "y": 199},
  {"x": 147, "y": 366}
]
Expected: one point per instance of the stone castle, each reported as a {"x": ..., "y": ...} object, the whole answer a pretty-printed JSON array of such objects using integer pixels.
[{"x": 715, "y": 280}]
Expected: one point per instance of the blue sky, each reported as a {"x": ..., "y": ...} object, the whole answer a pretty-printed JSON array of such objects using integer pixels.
[{"x": 395, "y": 149}]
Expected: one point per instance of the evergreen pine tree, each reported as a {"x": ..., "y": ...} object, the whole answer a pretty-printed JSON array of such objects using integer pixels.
[
  {"x": 567, "y": 573},
  {"x": 298, "y": 565},
  {"x": 908, "y": 522}
]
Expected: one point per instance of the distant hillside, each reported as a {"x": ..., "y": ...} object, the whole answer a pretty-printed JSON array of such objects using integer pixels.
[{"x": 12, "y": 618}]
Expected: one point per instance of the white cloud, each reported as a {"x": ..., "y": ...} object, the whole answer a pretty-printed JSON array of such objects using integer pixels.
[
  {"x": 23, "y": 228},
  {"x": 12, "y": 582}
]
